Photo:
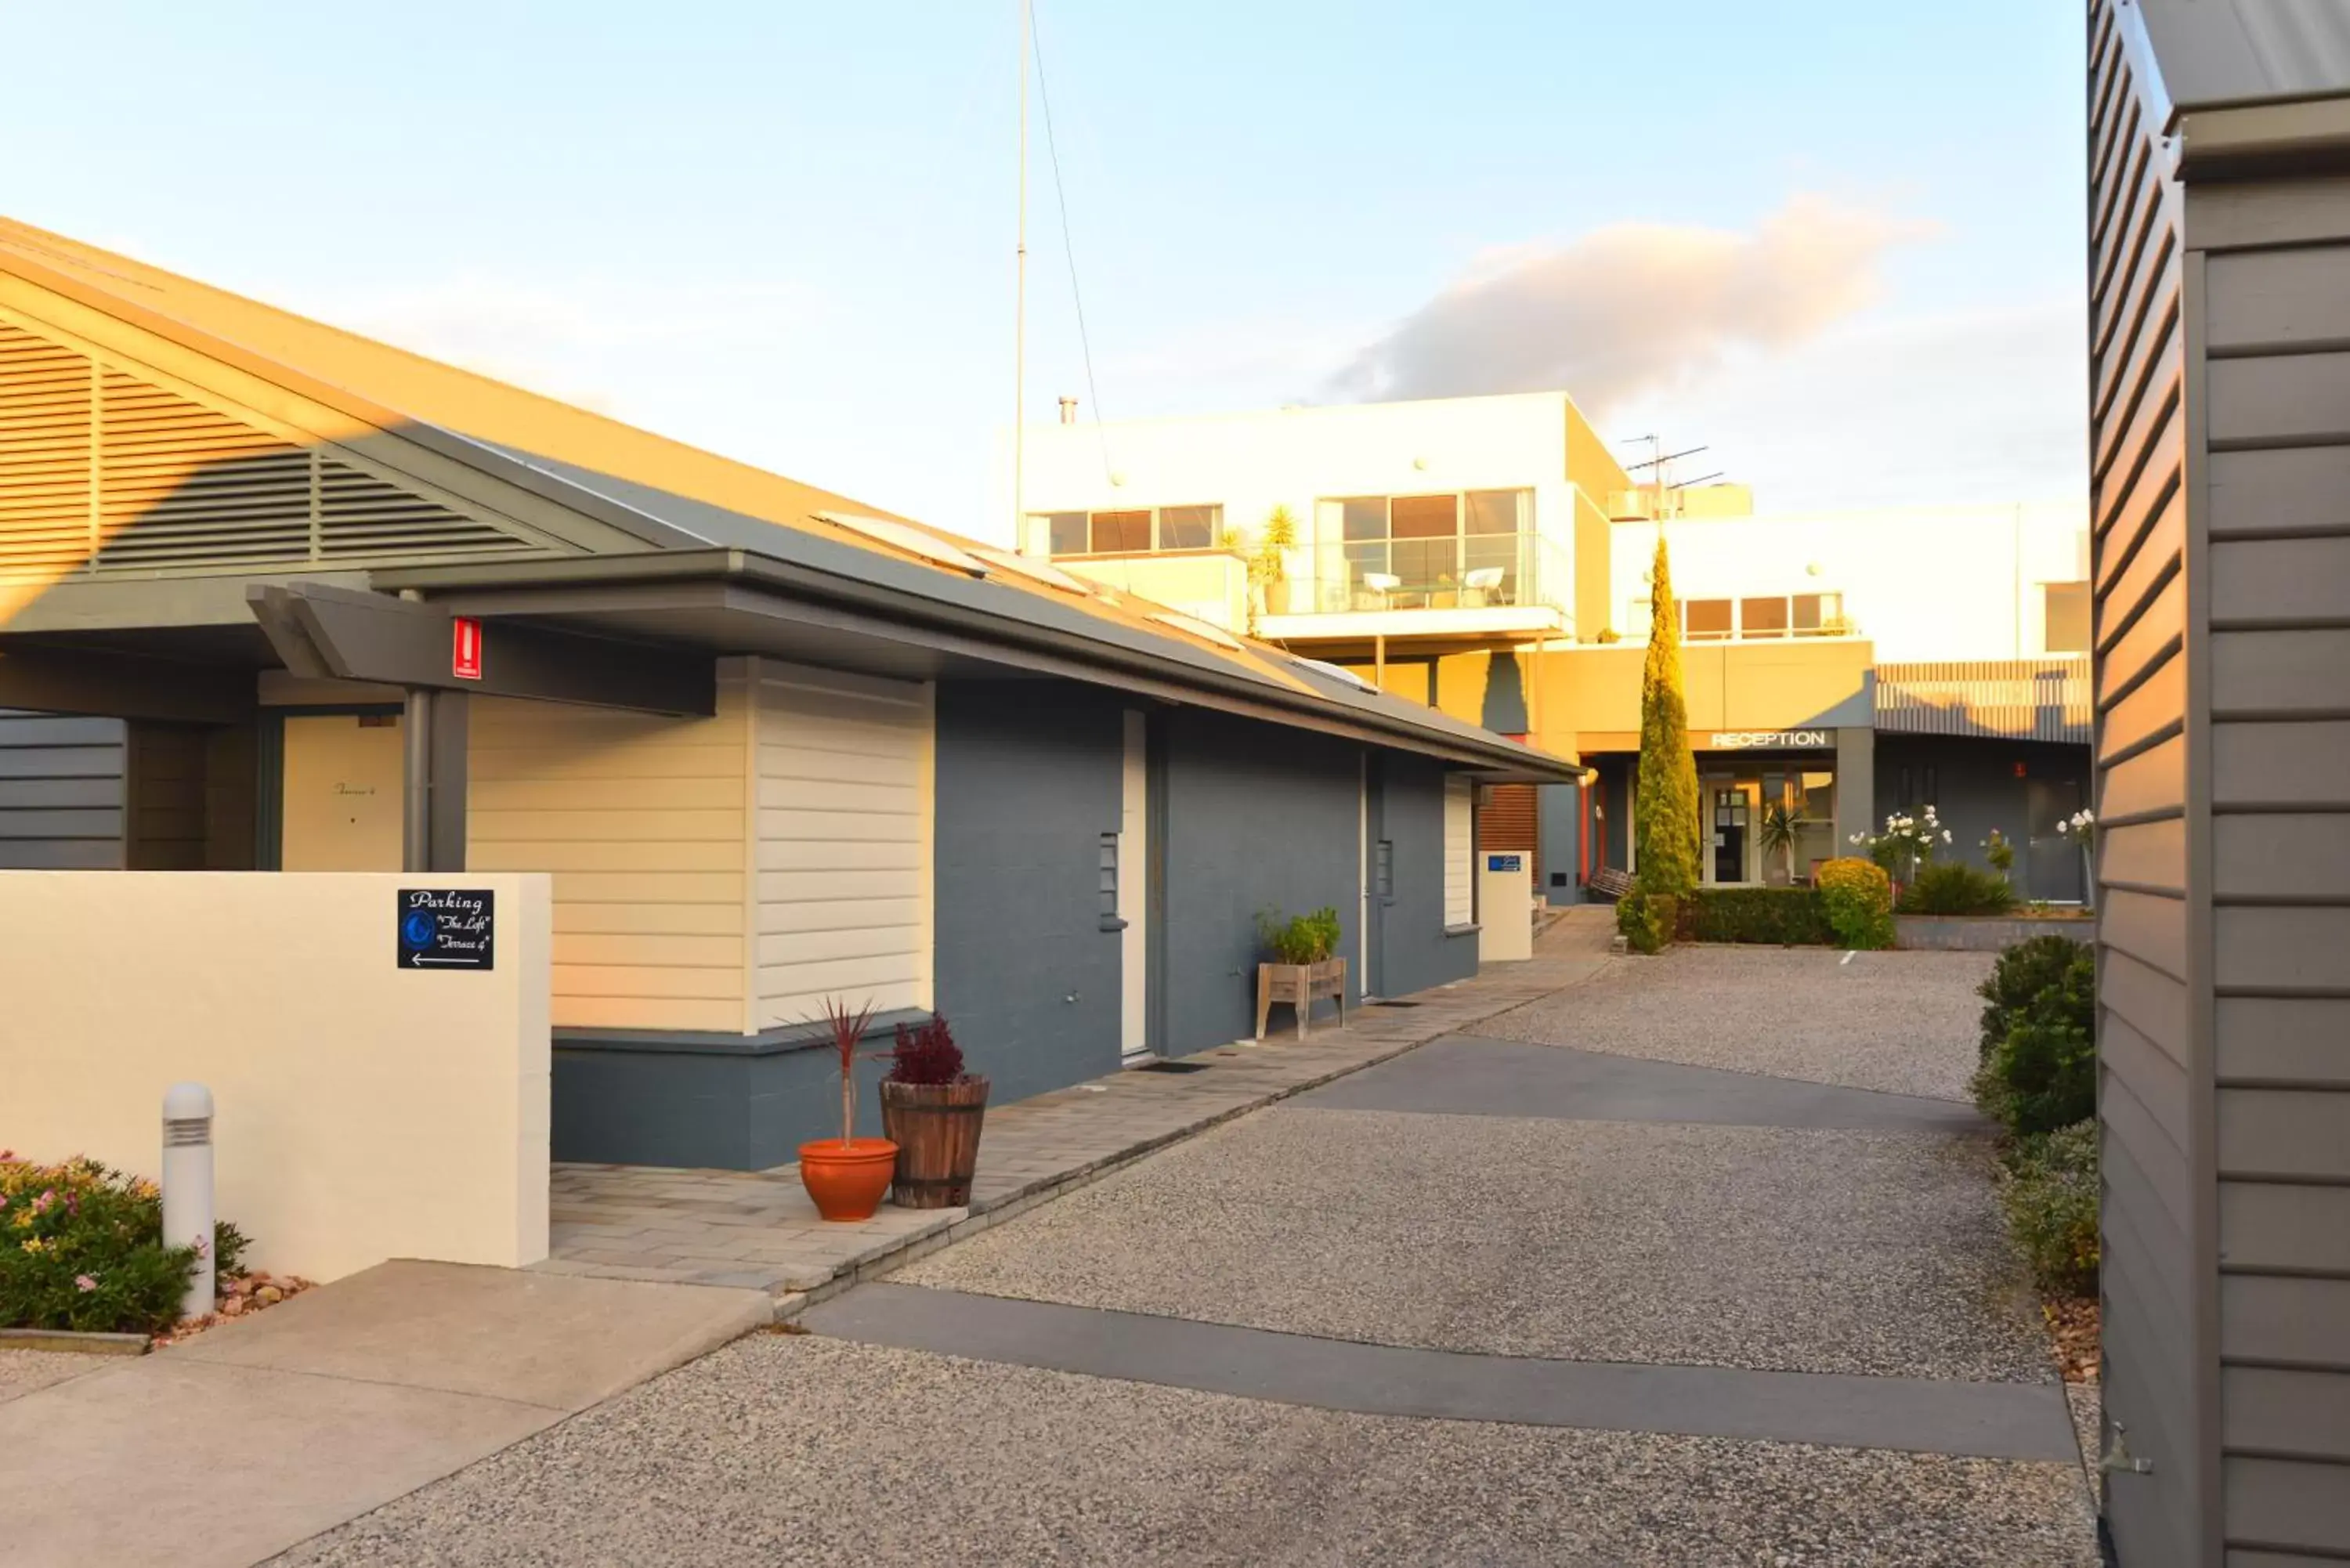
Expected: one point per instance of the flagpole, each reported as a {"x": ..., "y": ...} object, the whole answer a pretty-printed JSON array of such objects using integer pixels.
[{"x": 1020, "y": 311}]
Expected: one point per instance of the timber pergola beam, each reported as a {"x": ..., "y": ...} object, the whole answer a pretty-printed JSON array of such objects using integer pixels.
[
  {"x": 350, "y": 635},
  {"x": 53, "y": 679}
]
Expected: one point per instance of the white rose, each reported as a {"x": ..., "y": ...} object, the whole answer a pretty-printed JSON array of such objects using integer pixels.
[{"x": 1946, "y": 836}]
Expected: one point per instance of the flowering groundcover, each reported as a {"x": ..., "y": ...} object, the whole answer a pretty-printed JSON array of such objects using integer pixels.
[{"x": 81, "y": 1247}]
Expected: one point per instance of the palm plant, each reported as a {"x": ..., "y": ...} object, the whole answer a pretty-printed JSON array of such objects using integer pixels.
[{"x": 1778, "y": 832}]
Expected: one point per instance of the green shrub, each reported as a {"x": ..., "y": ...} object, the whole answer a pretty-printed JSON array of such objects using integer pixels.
[
  {"x": 1955, "y": 888},
  {"x": 1858, "y": 897},
  {"x": 2042, "y": 1073},
  {"x": 81, "y": 1247},
  {"x": 1647, "y": 920},
  {"x": 1302, "y": 939},
  {"x": 2022, "y": 974},
  {"x": 2049, "y": 1193},
  {"x": 1796, "y": 916}
]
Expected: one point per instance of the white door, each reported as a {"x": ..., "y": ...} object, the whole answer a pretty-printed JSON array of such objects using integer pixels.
[
  {"x": 1134, "y": 895},
  {"x": 342, "y": 802}
]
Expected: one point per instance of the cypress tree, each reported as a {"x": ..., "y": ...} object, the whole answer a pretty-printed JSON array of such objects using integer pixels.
[{"x": 1665, "y": 812}]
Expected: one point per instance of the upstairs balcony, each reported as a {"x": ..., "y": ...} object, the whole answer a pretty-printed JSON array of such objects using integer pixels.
[{"x": 1457, "y": 584}]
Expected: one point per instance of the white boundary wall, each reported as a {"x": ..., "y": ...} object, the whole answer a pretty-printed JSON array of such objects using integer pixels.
[{"x": 363, "y": 1112}]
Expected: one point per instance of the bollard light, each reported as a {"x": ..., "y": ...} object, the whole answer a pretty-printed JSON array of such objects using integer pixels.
[{"x": 188, "y": 1186}]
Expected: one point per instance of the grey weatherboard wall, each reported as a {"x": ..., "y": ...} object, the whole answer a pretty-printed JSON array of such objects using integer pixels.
[
  {"x": 1416, "y": 951},
  {"x": 1255, "y": 818},
  {"x": 1030, "y": 776},
  {"x": 2220, "y": 476},
  {"x": 62, "y": 788}
]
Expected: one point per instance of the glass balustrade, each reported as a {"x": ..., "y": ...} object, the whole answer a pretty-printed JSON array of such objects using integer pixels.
[{"x": 1454, "y": 571}]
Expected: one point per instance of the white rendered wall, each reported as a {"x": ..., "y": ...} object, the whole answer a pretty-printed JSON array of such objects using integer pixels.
[
  {"x": 364, "y": 1111},
  {"x": 1921, "y": 583},
  {"x": 1250, "y": 463}
]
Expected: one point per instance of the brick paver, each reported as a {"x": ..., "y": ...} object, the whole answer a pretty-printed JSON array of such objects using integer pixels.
[{"x": 758, "y": 1228}]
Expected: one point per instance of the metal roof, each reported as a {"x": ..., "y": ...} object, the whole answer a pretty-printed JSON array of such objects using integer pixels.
[
  {"x": 671, "y": 499},
  {"x": 2217, "y": 53}
]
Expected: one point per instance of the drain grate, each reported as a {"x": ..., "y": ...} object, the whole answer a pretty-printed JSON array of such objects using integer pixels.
[{"x": 1172, "y": 1067}]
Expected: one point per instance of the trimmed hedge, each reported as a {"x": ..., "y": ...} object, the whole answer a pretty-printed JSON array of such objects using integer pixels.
[
  {"x": 2039, "y": 1070},
  {"x": 1859, "y": 899},
  {"x": 1787, "y": 916}
]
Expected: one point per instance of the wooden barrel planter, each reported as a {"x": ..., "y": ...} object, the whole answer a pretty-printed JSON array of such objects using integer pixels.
[{"x": 936, "y": 1129}]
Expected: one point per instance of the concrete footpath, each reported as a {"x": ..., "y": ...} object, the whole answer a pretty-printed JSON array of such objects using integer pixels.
[{"x": 235, "y": 1445}]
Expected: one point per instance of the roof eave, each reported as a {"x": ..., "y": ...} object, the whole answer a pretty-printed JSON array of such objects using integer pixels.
[{"x": 507, "y": 587}]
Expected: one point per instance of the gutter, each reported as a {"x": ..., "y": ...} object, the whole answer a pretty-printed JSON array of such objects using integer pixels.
[{"x": 1142, "y": 662}]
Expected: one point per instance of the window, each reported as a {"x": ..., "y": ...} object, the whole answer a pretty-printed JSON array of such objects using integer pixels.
[
  {"x": 1762, "y": 617},
  {"x": 1187, "y": 527},
  {"x": 2066, "y": 606},
  {"x": 1459, "y": 852},
  {"x": 1119, "y": 531},
  {"x": 1136, "y": 531},
  {"x": 1464, "y": 549},
  {"x": 1705, "y": 620},
  {"x": 1818, "y": 614}
]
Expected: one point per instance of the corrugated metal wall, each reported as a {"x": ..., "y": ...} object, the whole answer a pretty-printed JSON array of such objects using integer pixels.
[
  {"x": 2010, "y": 699},
  {"x": 2154, "y": 985}
]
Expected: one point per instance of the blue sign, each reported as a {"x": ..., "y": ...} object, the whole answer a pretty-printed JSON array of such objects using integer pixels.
[
  {"x": 448, "y": 927},
  {"x": 1505, "y": 862}
]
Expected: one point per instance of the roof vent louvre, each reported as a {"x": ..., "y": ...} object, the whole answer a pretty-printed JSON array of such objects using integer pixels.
[{"x": 181, "y": 487}]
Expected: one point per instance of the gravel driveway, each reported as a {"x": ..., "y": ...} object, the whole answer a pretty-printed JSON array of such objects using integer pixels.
[
  {"x": 1654, "y": 1248},
  {"x": 1904, "y": 1023}
]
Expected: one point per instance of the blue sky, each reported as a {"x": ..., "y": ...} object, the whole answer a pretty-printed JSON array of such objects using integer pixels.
[{"x": 1840, "y": 241}]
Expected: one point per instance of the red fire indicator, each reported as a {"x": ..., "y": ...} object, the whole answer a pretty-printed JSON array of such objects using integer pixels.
[{"x": 465, "y": 651}]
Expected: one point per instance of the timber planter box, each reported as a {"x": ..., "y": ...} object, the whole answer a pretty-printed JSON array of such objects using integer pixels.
[
  {"x": 1301, "y": 985},
  {"x": 936, "y": 1127}
]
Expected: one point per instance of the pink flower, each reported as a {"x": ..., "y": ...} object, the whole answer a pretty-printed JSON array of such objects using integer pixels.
[{"x": 84, "y": 1282}]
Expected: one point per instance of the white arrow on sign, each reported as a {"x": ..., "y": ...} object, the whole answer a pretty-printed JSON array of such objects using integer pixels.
[{"x": 420, "y": 958}]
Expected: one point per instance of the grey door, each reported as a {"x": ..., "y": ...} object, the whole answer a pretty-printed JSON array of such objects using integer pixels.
[
  {"x": 2053, "y": 868},
  {"x": 1379, "y": 861}
]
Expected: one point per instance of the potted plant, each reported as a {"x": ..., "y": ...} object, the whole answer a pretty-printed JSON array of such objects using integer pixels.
[
  {"x": 846, "y": 1177},
  {"x": 1778, "y": 834},
  {"x": 1270, "y": 566},
  {"x": 1305, "y": 966},
  {"x": 931, "y": 1109}
]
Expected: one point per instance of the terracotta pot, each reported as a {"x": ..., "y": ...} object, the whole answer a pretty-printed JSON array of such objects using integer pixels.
[
  {"x": 846, "y": 1179},
  {"x": 936, "y": 1127}
]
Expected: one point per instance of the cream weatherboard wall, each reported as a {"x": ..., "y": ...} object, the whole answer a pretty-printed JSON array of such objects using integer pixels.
[
  {"x": 722, "y": 874},
  {"x": 642, "y": 821},
  {"x": 841, "y": 904},
  {"x": 1459, "y": 849}
]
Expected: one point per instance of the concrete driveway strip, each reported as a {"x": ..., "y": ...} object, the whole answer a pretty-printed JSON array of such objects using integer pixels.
[
  {"x": 1466, "y": 1075},
  {"x": 1983, "y": 1420},
  {"x": 240, "y": 1443}
]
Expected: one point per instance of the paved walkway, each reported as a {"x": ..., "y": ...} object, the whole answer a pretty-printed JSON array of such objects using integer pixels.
[
  {"x": 231, "y": 1447},
  {"x": 1499, "y": 1301},
  {"x": 757, "y": 1229}
]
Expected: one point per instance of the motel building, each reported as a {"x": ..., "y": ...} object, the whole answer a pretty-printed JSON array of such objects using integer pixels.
[
  {"x": 1489, "y": 557},
  {"x": 275, "y": 597}
]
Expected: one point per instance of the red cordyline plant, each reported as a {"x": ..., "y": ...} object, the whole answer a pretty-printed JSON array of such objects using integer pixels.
[
  {"x": 926, "y": 1056},
  {"x": 847, "y": 1033}
]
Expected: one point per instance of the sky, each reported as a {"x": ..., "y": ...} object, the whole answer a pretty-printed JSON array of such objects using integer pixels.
[{"x": 1839, "y": 245}]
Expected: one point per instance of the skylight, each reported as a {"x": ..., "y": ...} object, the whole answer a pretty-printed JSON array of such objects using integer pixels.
[
  {"x": 1028, "y": 567},
  {"x": 912, "y": 540},
  {"x": 1197, "y": 628},
  {"x": 1335, "y": 673}
]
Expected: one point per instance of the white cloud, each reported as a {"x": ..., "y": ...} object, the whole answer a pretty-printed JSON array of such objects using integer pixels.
[
  {"x": 1633, "y": 309},
  {"x": 1984, "y": 405}
]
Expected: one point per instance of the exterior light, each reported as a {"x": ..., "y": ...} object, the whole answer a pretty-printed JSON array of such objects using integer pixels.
[{"x": 188, "y": 1187}]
